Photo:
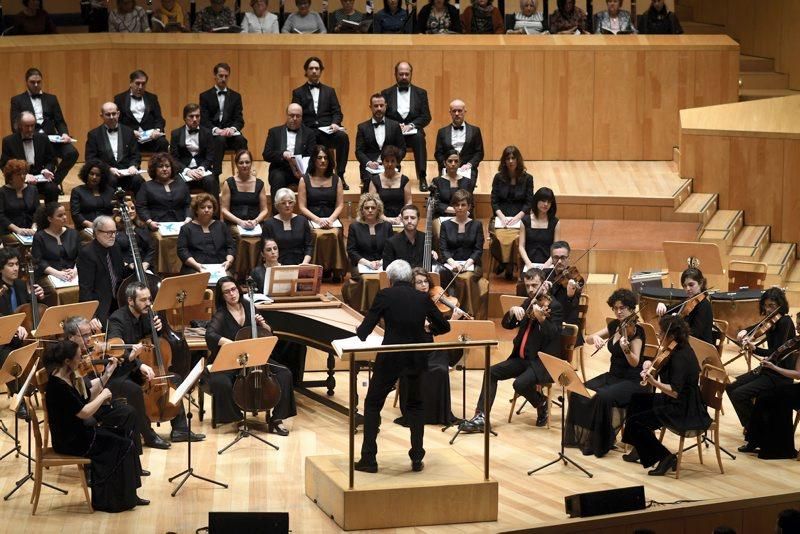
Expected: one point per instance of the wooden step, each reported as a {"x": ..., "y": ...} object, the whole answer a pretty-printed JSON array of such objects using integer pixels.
[
  {"x": 792, "y": 281},
  {"x": 750, "y": 243},
  {"x": 755, "y": 64},
  {"x": 698, "y": 207},
  {"x": 722, "y": 228},
  {"x": 758, "y": 94},
  {"x": 763, "y": 80},
  {"x": 699, "y": 28},
  {"x": 779, "y": 258}
]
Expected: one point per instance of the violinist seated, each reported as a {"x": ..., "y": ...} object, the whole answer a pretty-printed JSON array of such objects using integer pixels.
[
  {"x": 55, "y": 252},
  {"x": 675, "y": 403},
  {"x": 592, "y": 424},
  {"x": 115, "y": 466},
  {"x": 204, "y": 240},
  {"x": 538, "y": 321},
  {"x": 461, "y": 245},
  {"x": 132, "y": 324},
  {"x": 366, "y": 239},
  {"x": 102, "y": 268},
  {"x": 778, "y": 328},
  {"x": 408, "y": 245},
  {"x": 565, "y": 284},
  {"x": 697, "y": 312},
  {"x": 18, "y": 202},
  {"x": 320, "y": 198},
  {"x": 231, "y": 317}
]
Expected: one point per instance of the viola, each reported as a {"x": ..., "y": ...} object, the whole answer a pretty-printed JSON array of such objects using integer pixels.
[
  {"x": 33, "y": 310},
  {"x": 784, "y": 351},
  {"x": 659, "y": 362}
]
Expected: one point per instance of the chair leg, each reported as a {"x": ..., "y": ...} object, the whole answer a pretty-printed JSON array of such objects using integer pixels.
[
  {"x": 583, "y": 367},
  {"x": 716, "y": 443},
  {"x": 661, "y": 436},
  {"x": 37, "y": 486},
  {"x": 82, "y": 473},
  {"x": 796, "y": 420},
  {"x": 680, "y": 457},
  {"x": 513, "y": 402},
  {"x": 700, "y": 448},
  {"x": 550, "y": 405},
  {"x": 201, "y": 403}
]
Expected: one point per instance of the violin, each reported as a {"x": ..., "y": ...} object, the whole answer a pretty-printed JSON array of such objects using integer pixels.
[
  {"x": 570, "y": 274},
  {"x": 446, "y": 304},
  {"x": 784, "y": 351},
  {"x": 658, "y": 363},
  {"x": 540, "y": 304},
  {"x": 689, "y": 305}
]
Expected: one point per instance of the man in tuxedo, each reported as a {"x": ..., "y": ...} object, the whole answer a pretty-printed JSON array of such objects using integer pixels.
[
  {"x": 141, "y": 112},
  {"x": 49, "y": 121},
  {"x": 393, "y": 305},
  {"x": 35, "y": 148},
  {"x": 194, "y": 150},
  {"x": 408, "y": 105},
  {"x": 115, "y": 144},
  {"x": 221, "y": 112},
  {"x": 373, "y": 135},
  {"x": 101, "y": 268},
  {"x": 464, "y": 138},
  {"x": 321, "y": 110},
  {"x": 408, "y": 245},
  {"x": 283, "y": 143}
]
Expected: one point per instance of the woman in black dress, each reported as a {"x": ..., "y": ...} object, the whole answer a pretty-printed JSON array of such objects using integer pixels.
[
  {"x": 204, "y": 240},
  {"x": 230, "y": 317},
  {"x": 701, "y": 318},
  {"x": 449, "y": 183},
  {"x": 539, "y": 229},
  {"x": 94, "y": 197},
  {"x": 18, "y": 201},
  {"x": 291, "y": 231},
  {"x": 592, "y": 424},
  {"x": 115, "y": 463},
  {"x": 676, "y": 403},
  {"x": 512, "y": 198},
  {"x": 391, "y": 186},
  {"x": 55, "y": 248},
  {"x": 165, "y": 197},
  {"x": 461, "y": 247},
  {"x": 321, "y": 200}
]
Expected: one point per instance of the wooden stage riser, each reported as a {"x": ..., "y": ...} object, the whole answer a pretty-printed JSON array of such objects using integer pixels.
[{"x": 581, "y": 83}]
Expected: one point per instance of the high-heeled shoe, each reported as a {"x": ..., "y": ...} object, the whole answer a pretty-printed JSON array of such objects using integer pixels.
[
  {"x": 666, "y": 464},
  {"x": 276, "y": 427}
]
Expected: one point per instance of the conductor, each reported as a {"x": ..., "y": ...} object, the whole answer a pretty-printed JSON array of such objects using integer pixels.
[{"x": 395, "y": 305}]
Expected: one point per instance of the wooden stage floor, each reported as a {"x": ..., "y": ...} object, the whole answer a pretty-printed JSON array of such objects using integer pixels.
[{"x": 262, "y": 479}]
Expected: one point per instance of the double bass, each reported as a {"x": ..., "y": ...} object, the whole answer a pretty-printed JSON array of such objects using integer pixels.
[{"x": 33, "y": 310}]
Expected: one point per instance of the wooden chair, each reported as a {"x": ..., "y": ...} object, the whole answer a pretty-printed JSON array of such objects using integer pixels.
[
  {"x": 749, "y": 274},
  {"x": 583, "y": 309},
  {"x": 44, "y": 456},
  {"x": 652, "y": 341},
  {"x": 722, "y": 326}
]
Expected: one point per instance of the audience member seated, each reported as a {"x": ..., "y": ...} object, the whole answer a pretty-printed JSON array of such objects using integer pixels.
[
  {"x": 465, "y": 138},
  {"x": 128, "y": 18},
  {"x": 304, "y": 20},
  {"x": 461, "y": 247},
  {"x": 539, "y": 229},
  {"x": 169, "y": 17},
  {"x": 391, "y": 186},
  {"x": 55, "y": 252},
  {"x": 33, "y": 20},
  {"x": 260, "y": 20},
  {"x": 482, "y": 17},
  {"x": 18, "y": 202},
  {"x": 283, "y": 143},
  {"x": 165, "y": 197},
  {"x": 93, "y": 197},
  {"x": 193, "y": 150},
  {"x": 527, "y": 20},
  {"x": 366, "y": 238},
  {"x": 449, "y": 183},
  {"x": 321, "y": 201},
  {"x": 217, "y": 15},
  {"x": 243, "y": 203},
  {"x": 658, "y": 20},
  {"x": 614, "y": 20},
  {"x": 140, "y": 111},
  {"x": 439, "y": 16},
  {"x": 49, "y": 120},
  {"x": 512, "y": 198},
  {"x": 34, "y": 148},
  {"x": 115, "y": 145},
  {"x": 392, "y": 19},
  {"x": 346, "y": 19},
  {"x": 290, "y": 231},
  {"x": 373, "y": 135},
  {"x": 567, "y": 18},
  {"x": 98, "y": 16},
  {"x": 204, "y": 240}
]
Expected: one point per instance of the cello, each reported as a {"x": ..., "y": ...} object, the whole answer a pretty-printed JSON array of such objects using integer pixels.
[
  {"x": 33, "y": 310},
  {"x": 427, "y": 254}
]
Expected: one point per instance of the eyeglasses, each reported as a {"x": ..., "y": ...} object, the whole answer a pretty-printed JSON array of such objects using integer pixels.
[
  {"x": 231, "y": 290},
  {"x": 616, "y": 309},
  {"x": 107, "y": 232}
]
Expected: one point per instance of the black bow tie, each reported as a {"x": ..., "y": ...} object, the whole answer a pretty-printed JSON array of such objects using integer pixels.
[
  {"x": 292, "y": 131},
  {"x": 193, "y": 130},
  {"x": 113, "y": 130},
  {"x": 376, "y": 124},
  {"x": 402, "y": 89},
  {"x": 458, "y": 128},
  {"x": 313, "y": 85},
  {"x": 30, "y": 140},
  {"x": 222, "y": 93},
  {"x": 37, "y": 96},
  {"x": 136, "y": 97}
]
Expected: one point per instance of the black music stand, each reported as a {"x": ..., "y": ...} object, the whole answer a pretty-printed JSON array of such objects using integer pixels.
[
  {"x": 8, "y": 329},
  {"x": 569, "y": 381},
  {"x": 242, "y": 355},
  {"x": 175, "y": 398}
]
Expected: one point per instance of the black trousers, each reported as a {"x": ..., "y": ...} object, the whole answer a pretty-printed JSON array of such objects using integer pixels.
[
  {"x": 280, "y": 176},
  {"x": 67, "y": 157},
  {"x": 123, "y": 417},
  {"x": 226, "y": 409},
  {"x": 221, "y": 144},
  {"x": 527, "y": 374},
  {"x": 747, "y": 388},
  {"x": 209, "y": 184},
  {"x": 641, "y": 423},
  {"x": 132, "y": 392},
  {"x": 98, "y": 20},
  {"x": 155, "y": 146},
  {"x": 340, "y": 143},
  {"x": 128, "y": 183},
  {"x": 417, "y": 143},
  {"x": 386, "y": 371}
]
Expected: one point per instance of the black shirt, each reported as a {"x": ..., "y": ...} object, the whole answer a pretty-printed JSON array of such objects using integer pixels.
[
  {"x": 47, "y": 252},
  {"x": 85, "y": 206},
  {"x": 361, "y": 244},
  {"x": 205, "y": 247},
  {"x": 294, "y": 244},
  {"x": 398, "y": 247},
  {"x": 445, "y": 192},
  {"x": 154, "y": 202},
  {"x": 461, "y": 246},
  {"x": 18, "y": 211},
  {"x": 510, "y": 198}
]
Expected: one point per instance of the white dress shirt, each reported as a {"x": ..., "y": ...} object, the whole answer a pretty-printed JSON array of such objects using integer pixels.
[
  {"x": 291, "y": 140},
  {"x": 37, "y": 108},
  {"x": 458, "y": 137},
  {"x": 112, "y": 140},
  {"x": 380, "y": 132},
  {"x": 403, "y": 102},
  {"x": 221, "y": 100},
  {"x": 193, "y": 146},
  {"x": 315, "y": 98},
  {"x": 30, "y": 154},
  {"x": 137, "y": 108}
]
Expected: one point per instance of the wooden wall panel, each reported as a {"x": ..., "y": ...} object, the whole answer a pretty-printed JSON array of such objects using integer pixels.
[
  {"x": 705, "y": 159},
  {"x": 716, "y": 77},
  {"x": 618, "y": 98},
  {"x": 766, "y": 27},
  {"x": 755, "y": 178},
  {"x": 16, "y": 63},
  {"x": 788, "y": 59},
  {"x": 172, "y": 90},
  {"x": 569, "y": 105},
  {"x": 668, "y": 86},
  {"x": 790, "y": 199}
]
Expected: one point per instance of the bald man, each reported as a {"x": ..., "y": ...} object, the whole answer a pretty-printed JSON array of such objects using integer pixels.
[
  {"x": 464, "y": 138},
  {"x": 283, "y": 143},
  {"x": 115, "y": 144},
  {"x": 29, "y": 145}
]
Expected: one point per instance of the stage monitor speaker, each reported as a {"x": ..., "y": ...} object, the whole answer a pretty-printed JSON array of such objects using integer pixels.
[
  {"x": 250, "y": 522},
  {"x": 605, "y": 502}
]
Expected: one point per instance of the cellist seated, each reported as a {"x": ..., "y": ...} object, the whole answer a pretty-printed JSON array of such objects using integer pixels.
[{"x": 131, "y": 324}]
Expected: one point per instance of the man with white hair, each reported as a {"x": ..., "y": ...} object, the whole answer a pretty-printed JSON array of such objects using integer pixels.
[
  {"x": 464, "y": 138},
  {"x": 33, "y": 147},
  {"x": 396, "y": 306},
  {"x": 101, "y": 268}
]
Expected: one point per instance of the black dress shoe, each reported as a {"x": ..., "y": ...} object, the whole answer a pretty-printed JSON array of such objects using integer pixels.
[
  {"x": 22, "y": 411},
  {"x": 632, "y": 456},
  {"x": 366, "y": 466},
  {"x": 541, "y": 415},
  {"x": 144, "y": 473},
  {"x": 423, "y": 185},
  {"x": 277, "y": 427},
  {"x": 417, "y": 466},
  {"x": 345, "y": 186},
  {"x": 666, "y": 464},
  {"x": 156, "y": 443},
  {"x": 179, "y": 436},
  {"x": 141, "y": 502},
  {"x": 748, "y": 447}
]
